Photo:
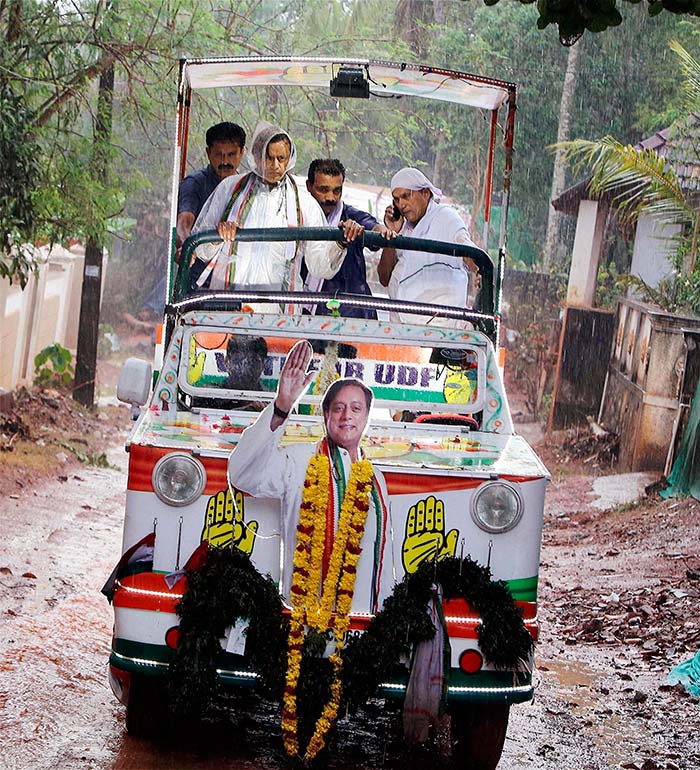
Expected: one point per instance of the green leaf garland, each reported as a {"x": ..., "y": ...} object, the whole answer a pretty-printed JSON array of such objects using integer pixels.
[{"x": 228, "y": 587}]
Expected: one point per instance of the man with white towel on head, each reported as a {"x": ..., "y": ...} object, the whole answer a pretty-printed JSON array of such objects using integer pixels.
[{"x": 418, "y": 276}]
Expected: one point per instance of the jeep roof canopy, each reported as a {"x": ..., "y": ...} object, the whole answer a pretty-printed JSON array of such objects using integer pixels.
[{"x": 382, "y": 79}]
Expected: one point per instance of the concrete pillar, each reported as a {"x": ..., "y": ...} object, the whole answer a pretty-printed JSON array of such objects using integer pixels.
[
  {"x": 7, "y": 342},
  {"x": 590, "y": 227},
  {"x": 73, "y": 296},
  {"x": 31, "y": 326}
]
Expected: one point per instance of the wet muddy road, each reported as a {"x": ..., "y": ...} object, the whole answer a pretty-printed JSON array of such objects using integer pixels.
[{"x": 598, "y": 705}]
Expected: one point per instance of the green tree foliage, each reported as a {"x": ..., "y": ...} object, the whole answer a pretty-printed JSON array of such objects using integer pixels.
[
  {"x": 641, "y": 182},
  {"x": 19, "y": 172},
  {"x": 628, "y": 87},
  {"x": 51, "y": 56},
  {"x": 574, "y": 17}
]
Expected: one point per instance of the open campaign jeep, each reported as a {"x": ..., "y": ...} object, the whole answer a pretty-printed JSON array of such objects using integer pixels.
[{"x": 460, "y": 483}]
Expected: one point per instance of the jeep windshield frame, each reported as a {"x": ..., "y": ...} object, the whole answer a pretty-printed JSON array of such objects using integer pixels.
[
  {"x": 483, "y": 318},
  {"x": 407, "y": 374}
]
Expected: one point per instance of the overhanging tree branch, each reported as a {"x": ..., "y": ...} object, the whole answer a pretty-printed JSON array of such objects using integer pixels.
[{"x": 52, "y": 105}]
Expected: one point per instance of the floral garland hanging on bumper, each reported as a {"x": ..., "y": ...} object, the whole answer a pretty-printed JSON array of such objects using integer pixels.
[{"x": 285, "y": 652}]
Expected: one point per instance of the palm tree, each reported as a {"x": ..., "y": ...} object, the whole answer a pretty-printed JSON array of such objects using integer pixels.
[{"x": 638, "y": 179}]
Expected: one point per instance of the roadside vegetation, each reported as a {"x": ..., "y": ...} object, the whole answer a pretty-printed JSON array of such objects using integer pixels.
[{"x": 640, "y": 181}]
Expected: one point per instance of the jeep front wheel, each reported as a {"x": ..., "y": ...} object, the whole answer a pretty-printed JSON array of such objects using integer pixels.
[
  {"x": 477, "y": 734},
  {"x": 146, "y": 707}
]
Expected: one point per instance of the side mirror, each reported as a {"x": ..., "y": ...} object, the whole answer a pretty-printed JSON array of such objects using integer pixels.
[{"x": 135, "y": 384}]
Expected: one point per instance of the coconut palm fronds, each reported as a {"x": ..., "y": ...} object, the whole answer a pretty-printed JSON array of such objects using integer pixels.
[
  {"x": 639, "y": 180},
  {"x": 691, "y": 76}
]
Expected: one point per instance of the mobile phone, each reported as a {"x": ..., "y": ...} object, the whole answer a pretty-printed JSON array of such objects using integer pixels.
[{"x": 395, "y": 214}]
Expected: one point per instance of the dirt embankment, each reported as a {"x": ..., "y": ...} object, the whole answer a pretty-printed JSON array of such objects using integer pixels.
[{"x": 46, "y": 435}]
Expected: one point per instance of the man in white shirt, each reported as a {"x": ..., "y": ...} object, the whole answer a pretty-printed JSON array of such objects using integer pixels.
[
  {"x": 265, "y": 196},
  {"x": 259, "y": 466},
  {"x": 418, "y": 276}
]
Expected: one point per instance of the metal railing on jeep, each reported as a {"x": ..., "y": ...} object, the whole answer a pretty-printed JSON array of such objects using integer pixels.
[{"x": 484, "y": 317}]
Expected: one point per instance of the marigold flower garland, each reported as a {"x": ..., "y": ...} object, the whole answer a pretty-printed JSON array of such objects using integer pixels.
[{"x": 312, "y": 602}]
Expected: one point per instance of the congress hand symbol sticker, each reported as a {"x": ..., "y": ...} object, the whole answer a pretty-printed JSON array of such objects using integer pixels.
[{"x": 425, "y": 534}]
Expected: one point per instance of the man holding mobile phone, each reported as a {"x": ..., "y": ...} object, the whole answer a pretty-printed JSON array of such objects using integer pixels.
[{"x": 417, "y": 276}]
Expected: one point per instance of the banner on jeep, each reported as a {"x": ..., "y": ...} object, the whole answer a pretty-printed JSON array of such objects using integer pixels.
[{"x": 251, "y": 364}]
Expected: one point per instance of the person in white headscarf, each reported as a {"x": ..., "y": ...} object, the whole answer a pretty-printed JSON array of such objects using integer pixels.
[
  {"x": 265, "y": 195},
  {"x": 418, "y": 276}
]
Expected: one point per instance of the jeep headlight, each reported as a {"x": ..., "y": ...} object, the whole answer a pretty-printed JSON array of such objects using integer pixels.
[
  {"x": 178, "y": 478},
  {"x": 497, "y": 507}
]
